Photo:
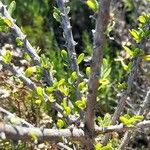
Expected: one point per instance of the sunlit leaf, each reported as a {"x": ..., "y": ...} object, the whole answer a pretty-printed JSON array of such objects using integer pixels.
[
  {"x": 146, "y": 57},
  {"x": 60, "y": 123},
  {"x": 39, "y": 91},
  {"x": 7, "y": 57},
  {"x": 8, "y": 22},
  {"x": 19, "y": 42},
  {"x": 12, "y": 7},
  {"x": 51, "y": 98},
  {"x": 64, "y": 54},
  {"x": 80, "y": 58},
  {"x": 92, "y": 4},
  {"x": 142, "y": 19}
]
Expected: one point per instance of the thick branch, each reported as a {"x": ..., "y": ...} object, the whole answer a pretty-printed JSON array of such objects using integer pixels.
[
  {"x": 99, "y": 40},
  {"x": 24, "y": 133}
]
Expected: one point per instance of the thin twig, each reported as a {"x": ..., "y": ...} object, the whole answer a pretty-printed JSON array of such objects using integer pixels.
[
  {"x": 70, "y": 43},
  {"x": 9, "y": 115},
  {"x": 128, "y": 134},
  {"x": 132, "y": 75}
]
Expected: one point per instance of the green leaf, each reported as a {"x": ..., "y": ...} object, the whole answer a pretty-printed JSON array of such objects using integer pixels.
[
  {"x": 38, "y": 102},
  {"x": 7, "y": 57},
  {"x": 92, "y": 4},
  {"x": 12, "y": 7},
  {"x": 67, "y": 111},
  {"x": 106, "y": 73},
  {"x": 61, "y": 82},
  {"x": 64, "y": 103},
  {"x": 19, "y": 42},
  {"x": 81, "y": 103},
  {"x": 122, "y": 86},
  {"x": 88, "y": 70},
  {"x": 136, "y": 35},
  {"x": 33, "y": 136},
  {"x": 127, "y": 120},
  {"x": 64, "y": 90},
  {"x": 98, "y": 146},
  {"x": 60, "y": 123},
  {"x": 80, "y": 58},
  {"x": 7, "y": 22},
  {"x": 107, "y": 147},
  {"x": 107, "y": 120},
  {"x": 29, "y": 71},
  {"x": 51, "y": 98},
  {"x": 81, "y": 86},
  {"x": 64, "y": 54},
  {"x": 39, "y": 91},
  {"x": 142, "y": 19},
  {"x": 73, "y": 77},
  {"x": 49, "y": 90},
  {"x": 100, "y": 121},
  {"x": 146, "y": 57},
  {"x": 124, "y": 120},
  {"x": 137, "y": 52},
  {"x": 56, "y": 14},
  {"x": 125, "y": 67},
  {"x": 138, "y": 117},
  {"x": 127, "y": 49}
]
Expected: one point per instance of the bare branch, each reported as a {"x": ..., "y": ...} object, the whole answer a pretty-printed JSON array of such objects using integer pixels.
[
  {"x": 44, "y": 134},
  {"x": 99, "y": 40},
  {"x": 132, "y": 75}
]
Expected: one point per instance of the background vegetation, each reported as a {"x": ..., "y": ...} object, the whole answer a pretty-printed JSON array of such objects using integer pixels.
[{"x": 39, "y": 21}]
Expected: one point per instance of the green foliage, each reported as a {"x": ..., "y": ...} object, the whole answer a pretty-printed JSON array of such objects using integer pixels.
[
  {"x": 92, "y": 4},
  {"x": 64, "y": 54},
  {"x": 39, "y": 91},
  {"x": 105, "y": 121},
  {"x": 7, "y": 57},
  {"x": 67, "y": 109},
  {"x": 81, "y": 103},
  {"x": 60, "y": 123},
  {"x": 4, "y": 24},
  {"x": 12, "y": 7},
  {"x": 73, "y": 78},
  {"x": 88, "y": 70},
  {"x": 36, "y": 19},
  {"x": 99, "y": 146},
  {"x": 19, "y": 42},
  {"x": 80, "y": 58},
  {"x": 56, "y": 14},
  {"x": 129, "y": 121},
  {"x": 29, "y": 71}
]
